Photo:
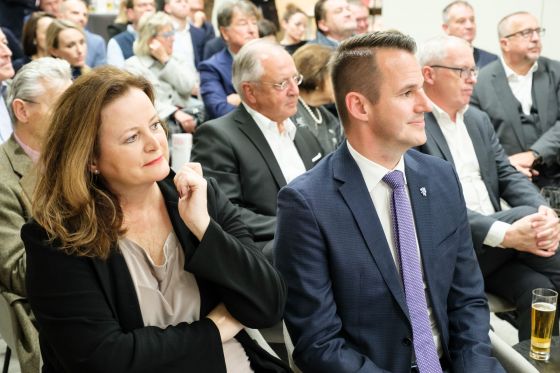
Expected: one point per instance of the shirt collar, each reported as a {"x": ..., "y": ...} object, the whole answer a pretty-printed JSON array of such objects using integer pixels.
[
  {"x": 265, "y": 123},
  {"x": 176, "y": 26},
  {"x": 131, "y": 29},
  {"x": 439, "y": 113},
  {"x": 32, "y": 153},
  {"x": 510, "y": 74},
  {"x": 373, "y": 172}
]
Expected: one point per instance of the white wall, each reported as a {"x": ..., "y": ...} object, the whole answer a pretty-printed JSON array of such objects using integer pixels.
[{"x": 422, "y": 20}]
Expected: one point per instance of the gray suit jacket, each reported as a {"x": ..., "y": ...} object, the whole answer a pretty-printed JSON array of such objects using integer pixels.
[
  {"x": 18, "y": 181},
  {"x": 233, "y": 150},
  {"x": 493, "y": 95},
  {"x": 502, "y": 180}
]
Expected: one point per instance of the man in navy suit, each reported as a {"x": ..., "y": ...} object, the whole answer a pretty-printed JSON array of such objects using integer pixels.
[
  {"x": 346, "y": 309},
  {"x": 517, "y": 247},
  {"x": 237, "y": 21},
  {"x": 458, "y": 20}
]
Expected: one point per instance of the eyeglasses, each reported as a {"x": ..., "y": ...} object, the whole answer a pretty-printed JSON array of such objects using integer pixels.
[
  {"x": 527, "y": 33},
  {"x": 167, "y": 34},
  {"x": 298, "y": 78},
  {"x": 464, "y": 72}
]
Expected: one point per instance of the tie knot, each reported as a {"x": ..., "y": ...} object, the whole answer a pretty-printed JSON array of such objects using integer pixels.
[{"x": 395, "y": 179}]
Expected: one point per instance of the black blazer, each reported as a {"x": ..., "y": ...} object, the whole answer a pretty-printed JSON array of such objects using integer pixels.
[
  {"x": 234, "y": 151},
  {"x": 89, "y": 317}
]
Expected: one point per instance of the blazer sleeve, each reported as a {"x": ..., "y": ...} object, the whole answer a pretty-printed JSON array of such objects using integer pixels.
[
  {"x": 213, "y": 91},
  {"x": 12, "y": 254},
  {"x": 311, "y": 313},
  {"x": 252, "y": 290},
  {"x": 214, "y": 150},
  {"x": 80, "y": 326},
  {"x": 548, "y": 145}
]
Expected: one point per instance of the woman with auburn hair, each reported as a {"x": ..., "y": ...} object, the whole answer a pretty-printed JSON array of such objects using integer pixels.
[
  {"x": 131, "y": 268},
  {"x": 66, "y": 40},
  {"x": 294, "y": 24},
  {"x": 34, "y": 38},
  {"x": 315, "y": 91}
]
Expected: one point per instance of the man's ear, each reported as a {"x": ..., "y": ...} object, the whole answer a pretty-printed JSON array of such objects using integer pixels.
[
  {"x": 20, "y": 110},
  {"x": 249, "y": 93},
  {"x": 445, "y": 28},
  {"x": 322, "y": 26},
  {"x": 428, "y": 74},
  {"x": 357, "y": 106}
]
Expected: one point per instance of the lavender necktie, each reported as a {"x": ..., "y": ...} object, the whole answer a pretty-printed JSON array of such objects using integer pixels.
[{"x": 405, "y": 240}]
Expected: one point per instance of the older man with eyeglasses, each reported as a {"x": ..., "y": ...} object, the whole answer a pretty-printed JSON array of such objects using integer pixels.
[
  {"x": 520, "y": 93},
  {"x": 517, "y": 247},
  {"x": 255, "y": 150}
]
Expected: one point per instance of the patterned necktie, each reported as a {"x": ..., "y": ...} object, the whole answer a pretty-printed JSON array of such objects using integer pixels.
[{"x": 405, "y": 240}]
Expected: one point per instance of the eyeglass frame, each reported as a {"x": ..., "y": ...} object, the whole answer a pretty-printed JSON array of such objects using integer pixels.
[
  {"x": 166, "y": 34},
  {"x": 283, "y": 85},
  {"x": 472, "y": 71},
  {"x": 527, "y": 33}
]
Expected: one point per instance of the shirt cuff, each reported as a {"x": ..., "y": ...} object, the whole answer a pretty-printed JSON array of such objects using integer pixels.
[{"x": 496, "y": 234}]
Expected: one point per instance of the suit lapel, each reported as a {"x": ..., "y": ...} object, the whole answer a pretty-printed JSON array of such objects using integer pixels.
[
  {"x": 419, "y": 191},
  {"x": 358, "y": 199},
  {"x": 248, "y": 126},
  {"x": 302, "y": 142},
  {"x": 434, "y": 131},
  {"x": 23, "y": 166},
  {"x": 508, "y": 102},
  {"x": 540, "y": 90}
]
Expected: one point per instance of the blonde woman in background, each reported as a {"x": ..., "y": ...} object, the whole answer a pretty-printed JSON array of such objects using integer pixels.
[{"x": 66, "y": 40}]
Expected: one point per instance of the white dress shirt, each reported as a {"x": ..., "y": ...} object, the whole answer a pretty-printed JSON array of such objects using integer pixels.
[
  {"x": 521, "y": 85},
  {"x": 381, "y": 194},
  {"x": 281, "y": 144},
  {"x": 183, "y": 46},
  {"x": 468, "y": 169}
]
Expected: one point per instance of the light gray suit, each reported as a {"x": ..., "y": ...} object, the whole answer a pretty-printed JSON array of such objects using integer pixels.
[
  {"x": 493, "y": 95},
  {"x": 18, "y": 181},
  {"x": 502, "y": 181}
]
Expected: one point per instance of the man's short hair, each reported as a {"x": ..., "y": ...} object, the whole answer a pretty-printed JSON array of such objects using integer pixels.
[
  {"x": 434, "y": 50},
  {"x": 247, "y": 66},
  {"x": 35, "y": 77},
  {"x": 447, "y": 9},
  {"x": 225, "y": 13},
  {"x": 503, "y": 25},
  {"x": 63, "y": 6},
  {"x": 354, "y": 65},
  {"x": 319, "y": 12}
]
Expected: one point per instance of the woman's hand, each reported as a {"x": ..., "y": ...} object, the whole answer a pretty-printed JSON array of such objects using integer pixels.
[
  {"x": 193, "y": 206},
  {"x": 186, "y": 121},
  {"x": 227, "y": 324},
  {"x": 157, "y": 50}
]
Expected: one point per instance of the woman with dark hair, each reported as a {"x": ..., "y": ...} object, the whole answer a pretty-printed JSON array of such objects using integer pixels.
[
  {"x": 34, "y": 38},
  {"x": 66, "y": 40},
  {"x": 315, "y": 91},
  {"x": 131, "y": 268},
  {"x": 294, "y": 24}
]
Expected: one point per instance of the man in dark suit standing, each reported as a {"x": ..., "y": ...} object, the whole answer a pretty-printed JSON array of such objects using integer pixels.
[
  {"x": 458, "y": 20},
  {"x": 521, "y": 94},
  {"x": 256, "y": 149},
  {"x": 373, "y": 214},
  {"x": 516, "y": 248}
]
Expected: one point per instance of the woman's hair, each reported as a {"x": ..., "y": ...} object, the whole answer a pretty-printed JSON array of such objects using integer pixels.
[
  {"x": 312, "y": 61},
  {"x": 29, "y": 33},
  {"x": 148, "y": 28},
  {"x": 291, "y": 9},
  {"x": 55, "y": 28},
  {"x": 71, "y": 203}
]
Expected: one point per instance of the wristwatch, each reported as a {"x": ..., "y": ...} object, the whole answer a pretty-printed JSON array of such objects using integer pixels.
[{"x": 538, "y": 158}]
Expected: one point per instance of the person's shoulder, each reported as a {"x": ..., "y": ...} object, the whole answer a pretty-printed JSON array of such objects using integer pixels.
[
  {"x": 426, "y": 163},
  {"x": 549, "y": 64}
]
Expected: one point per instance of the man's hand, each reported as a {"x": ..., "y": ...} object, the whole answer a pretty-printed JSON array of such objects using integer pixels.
[
  {"x": 523, "y": 235},
  {"x": 548, "y": 231},
  {"x": 523, "y": 162},
  {"x": 185, "y": 120},
  {"x": 234, "y": 99}
]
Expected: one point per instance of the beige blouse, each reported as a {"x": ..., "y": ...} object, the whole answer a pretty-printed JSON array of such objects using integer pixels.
[{"x": 169, "y": 295}]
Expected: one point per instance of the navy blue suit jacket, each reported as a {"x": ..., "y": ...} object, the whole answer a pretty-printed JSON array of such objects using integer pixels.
[
  {"x": 198, "y": 37},
  {"x": 346, "y": 309},
  {"x": 215, "y": 83}
]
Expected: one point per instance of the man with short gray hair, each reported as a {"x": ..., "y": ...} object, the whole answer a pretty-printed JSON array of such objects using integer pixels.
[
  {"x": 256, "y": 149},
  {"x": 516, "y": 247},
  {"x": 458, "y": 20},
  {"x": 33, "y": 92}
]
